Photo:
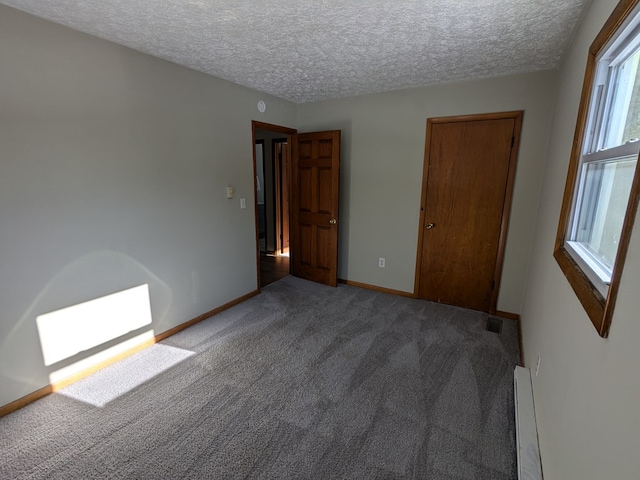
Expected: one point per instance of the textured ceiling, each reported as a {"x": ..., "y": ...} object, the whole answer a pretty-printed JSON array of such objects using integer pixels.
[{"x": 306, "y": 50}]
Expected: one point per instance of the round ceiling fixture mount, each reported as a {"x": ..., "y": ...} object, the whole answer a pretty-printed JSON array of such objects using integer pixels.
[{"x": 262, "y": 106}]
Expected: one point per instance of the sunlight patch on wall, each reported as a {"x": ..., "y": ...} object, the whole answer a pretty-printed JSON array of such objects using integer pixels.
[
  {"x": 69, "y": 331},
  {"x": 124, "y": 376},
  {"x": 106, "y": 355}
]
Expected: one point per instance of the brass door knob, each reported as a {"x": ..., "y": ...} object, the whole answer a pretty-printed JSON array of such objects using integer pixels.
[
  {"x": 333, "y": 221},
  {"x": 430, "y": 226}
]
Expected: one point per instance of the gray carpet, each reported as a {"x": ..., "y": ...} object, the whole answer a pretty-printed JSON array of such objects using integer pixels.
[{"x": 302, "y": 381}]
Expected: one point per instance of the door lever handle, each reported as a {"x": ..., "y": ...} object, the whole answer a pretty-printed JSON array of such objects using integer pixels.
[{"x": 429, "y": 226}]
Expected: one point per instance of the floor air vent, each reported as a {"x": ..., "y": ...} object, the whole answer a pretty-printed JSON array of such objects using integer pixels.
[
  {"x": 494, "y": 325},
  {"x": 528, "y": 450}
]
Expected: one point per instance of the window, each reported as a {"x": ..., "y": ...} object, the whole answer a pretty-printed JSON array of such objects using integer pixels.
[{"x": 602, "y": 191}]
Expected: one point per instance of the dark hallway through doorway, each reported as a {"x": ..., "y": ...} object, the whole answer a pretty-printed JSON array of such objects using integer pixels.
[{"x": 273, "y": 268}]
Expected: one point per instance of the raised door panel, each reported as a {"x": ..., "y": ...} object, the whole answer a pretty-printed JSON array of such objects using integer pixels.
[
  {"x": 324, "y": 241},
  {"x": 305, "y": 250},
  {"x": 305, "y": 190},
  {"x": 324, "y": 194}
]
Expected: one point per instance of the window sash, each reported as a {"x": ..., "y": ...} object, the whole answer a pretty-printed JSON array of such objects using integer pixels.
[
  {"x": 594, "y": 267},
  {"x": 623, "y": 45},
  {"x": 624, "y": 150}
]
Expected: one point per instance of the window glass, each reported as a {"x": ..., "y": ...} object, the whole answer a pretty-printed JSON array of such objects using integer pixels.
[
  {"x": 624, "y": 113},
  {"x": 632, "y": 124},
  {"x": 606, "y": 189}
]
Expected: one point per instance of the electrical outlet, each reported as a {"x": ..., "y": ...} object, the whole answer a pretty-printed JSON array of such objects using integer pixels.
[
  {"x": 538, "y": 364},
  {"x": 381, "y": 262}
]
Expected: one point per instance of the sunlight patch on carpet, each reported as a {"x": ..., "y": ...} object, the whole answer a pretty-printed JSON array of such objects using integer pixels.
[{"x": 124, "y": 376}]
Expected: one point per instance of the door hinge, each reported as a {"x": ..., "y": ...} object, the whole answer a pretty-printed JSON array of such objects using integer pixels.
[
  {"x": 493, "y": 284},
  {"x": 513, "y": 140}
]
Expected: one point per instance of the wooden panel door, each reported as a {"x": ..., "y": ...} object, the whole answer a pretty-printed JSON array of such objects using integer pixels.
[
  {"x": 315, "y": 198},
  {"x": 469, "y": 171}
]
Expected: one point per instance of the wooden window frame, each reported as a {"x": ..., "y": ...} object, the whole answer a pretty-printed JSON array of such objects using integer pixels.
[{"x": 599, "y": 308}]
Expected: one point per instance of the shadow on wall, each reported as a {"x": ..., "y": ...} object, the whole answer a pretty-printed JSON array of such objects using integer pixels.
[{"x": 78, "y": 321}]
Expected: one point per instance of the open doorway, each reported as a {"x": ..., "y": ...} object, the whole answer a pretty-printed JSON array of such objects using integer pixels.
[
  {"x": 309, "y": 172},
  {"x": 272, "y": 158}
]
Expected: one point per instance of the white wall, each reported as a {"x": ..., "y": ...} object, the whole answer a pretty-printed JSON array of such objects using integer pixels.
[
  {"x": 587, "y": 394},
  {"x": 113, "y": 173},
  {"x": 383, "y": 140}
]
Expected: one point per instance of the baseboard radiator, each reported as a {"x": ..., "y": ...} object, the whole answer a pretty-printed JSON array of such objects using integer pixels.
[{"x": 528, "y": 449}]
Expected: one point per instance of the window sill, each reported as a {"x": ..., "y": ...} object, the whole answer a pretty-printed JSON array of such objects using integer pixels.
[
  {"x": 590, "y": 297},
  {"x": 597, "y": 275}
]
